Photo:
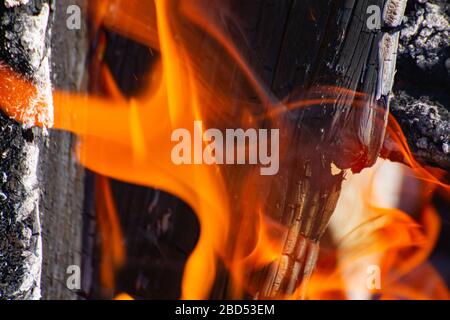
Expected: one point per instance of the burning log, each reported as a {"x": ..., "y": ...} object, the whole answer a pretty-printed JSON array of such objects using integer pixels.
[
  {"x": 341, "y": 130},
  {"x": 326, "y": 140}
]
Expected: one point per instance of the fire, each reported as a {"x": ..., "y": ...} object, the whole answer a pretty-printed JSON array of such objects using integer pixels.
[
  {"x": 113, "y": 254},
  {"x": 128, "y": 138},
  {"x": 370, "y": 232}
]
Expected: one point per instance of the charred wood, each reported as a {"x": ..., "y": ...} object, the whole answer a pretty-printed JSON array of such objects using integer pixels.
[{"x": 61, "y": 176}]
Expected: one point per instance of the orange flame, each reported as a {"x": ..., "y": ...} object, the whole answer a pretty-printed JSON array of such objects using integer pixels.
[
  {"x": 113, "y": 252},
  {"x": 391, "y": 240}
]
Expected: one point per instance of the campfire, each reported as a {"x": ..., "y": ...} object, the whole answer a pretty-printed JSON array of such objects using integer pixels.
[{"x": 271, "y": 168}]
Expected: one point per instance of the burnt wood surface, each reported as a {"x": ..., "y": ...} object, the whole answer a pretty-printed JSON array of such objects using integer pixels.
[{"x": 62, "y": 178}]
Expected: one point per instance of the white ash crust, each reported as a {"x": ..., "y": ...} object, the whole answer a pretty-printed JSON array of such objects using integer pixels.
[
  {"x": 426, "y": 35},
  {"x": 427, "y": 126},
  {"x": 394, "y": 11},
  {"x": 388, "y": 62},
  {"x": 393, "y": 15},
  {"x": 14, "y": 3}
]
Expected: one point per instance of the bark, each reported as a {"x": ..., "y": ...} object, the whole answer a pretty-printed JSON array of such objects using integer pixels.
[
  {"x": 41, "y": 181},
  {"x": 23, "y": 33}
]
